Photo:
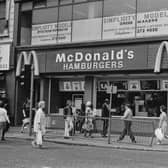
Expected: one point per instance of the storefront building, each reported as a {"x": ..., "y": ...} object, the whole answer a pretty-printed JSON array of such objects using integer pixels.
[
  {"x": 7, "y": 69},
  {"x": 89, "y": 51}
]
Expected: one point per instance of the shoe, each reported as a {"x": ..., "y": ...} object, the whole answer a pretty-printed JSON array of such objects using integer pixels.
[
  {"x": 118, "y": 140},
  {"x": 134, "y": 141},
  {"x": 158, "y": 143},
  {"x": 66, "y": 137},
  {"x": 34, "y": 144},
  {"x": 166, "y": 136},
  {"x": 104, "y": 136}
]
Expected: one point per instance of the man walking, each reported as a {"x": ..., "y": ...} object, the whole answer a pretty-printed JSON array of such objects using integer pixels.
[
  {"x": 127, "y": 117},
  {"x": 105, "y": 115}
]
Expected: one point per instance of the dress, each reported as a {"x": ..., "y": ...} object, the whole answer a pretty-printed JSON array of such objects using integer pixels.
[
  {"x": 163, "y": 122},
  {"x": 88, "y": 124}
]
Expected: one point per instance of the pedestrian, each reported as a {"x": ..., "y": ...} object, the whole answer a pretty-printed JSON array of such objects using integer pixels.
[
  {"x": 39, "y": 125},
  {"x": 88, "y": 124},
  {"x": 25, "y": 112},
  {"x": 4, "y": 121},
  {"x": 127, "y": 117},
  {"x": 105, "y": 115},
  {"x": 162, "y": 122},
  {"x": 68, "y": 117}
]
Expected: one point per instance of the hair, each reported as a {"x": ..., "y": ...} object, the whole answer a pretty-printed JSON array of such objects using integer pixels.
[
  {"x": 127, "y": 104},
  {"x": 41, "y": 103},
  {"x": 163, "y": 107},
  {"x": 68, "y": 102}
]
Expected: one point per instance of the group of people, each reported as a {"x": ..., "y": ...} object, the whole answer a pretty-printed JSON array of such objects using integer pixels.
[
  {"x": 85, "y": 122},
  {"x": 87, "y": 126}
]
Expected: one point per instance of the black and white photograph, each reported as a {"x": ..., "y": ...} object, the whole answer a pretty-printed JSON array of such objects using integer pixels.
[{"x": 83, "y": 83}]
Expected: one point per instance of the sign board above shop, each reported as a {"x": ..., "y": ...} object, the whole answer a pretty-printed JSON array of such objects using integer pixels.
[{"x": 97, "y": 59}]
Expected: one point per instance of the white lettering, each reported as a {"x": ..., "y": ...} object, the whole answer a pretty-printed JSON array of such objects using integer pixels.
[
  {"x": 60, "y": 57},
  {"x": 70, "y": 58},
  {"x": 88, "y": 57},
  {"x": 78, "y": 56},
  {"x": 119, "y": 55},
  {"x": 130, "y": 54}
]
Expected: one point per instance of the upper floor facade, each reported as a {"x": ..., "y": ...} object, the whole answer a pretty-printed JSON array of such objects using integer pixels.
[
  {"x": 56, "y": 22},
  {"x": 6, "y": 21}
]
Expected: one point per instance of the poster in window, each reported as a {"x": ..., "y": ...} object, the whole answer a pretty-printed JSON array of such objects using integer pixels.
[
  {"x": 76, "y": 86},
  {"x": 134, "y": 85},
  {"x": 64, "y": 32},
  {"x": 164, "y": 84},
  {"x": 102, "y": 85},
  {"x": 67, "y": 86},
  {"x": 43, "y": 34},
  {"x": 152, "y": 23},
  {"x": 119, "y": 27}
]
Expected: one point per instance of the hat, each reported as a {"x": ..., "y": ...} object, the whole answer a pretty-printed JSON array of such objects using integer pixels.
[{"x": 88, "y": 103}]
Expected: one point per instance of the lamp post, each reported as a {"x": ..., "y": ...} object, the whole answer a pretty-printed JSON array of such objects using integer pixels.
[{"x": 31, "y": 99}]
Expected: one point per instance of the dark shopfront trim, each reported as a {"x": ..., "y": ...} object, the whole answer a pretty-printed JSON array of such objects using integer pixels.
[{"x": 150, "y": 40}]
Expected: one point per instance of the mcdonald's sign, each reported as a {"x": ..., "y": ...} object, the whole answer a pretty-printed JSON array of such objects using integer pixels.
[
  {"x": 159, "y": 54},
  {"x": 27, "y": 59}
]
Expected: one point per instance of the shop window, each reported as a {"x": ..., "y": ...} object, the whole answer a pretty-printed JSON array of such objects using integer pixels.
[
  {"x": 152, "y": 18},
  {"x": 26, "y": 23},
  {"x": 87, "y": 21},
  {"x": 49, "y": 15},
  {"x": 63, "y": 2},
  {"x": 151, "y": 5},
  {"x": 65, "y": 16},
  {"x": 119, "y": 19},
  {"x": 119, "y": 7},
  {"x": 64, "y": 24},
  {"x": 52, "y": 2},
  {"x": 39, "y": 3},
  {"x": 3, "y": 21},
  {"x": 121, "y": 85},
  {"x": 77, "y": 1},
  {"x": 149, "y": 85}
]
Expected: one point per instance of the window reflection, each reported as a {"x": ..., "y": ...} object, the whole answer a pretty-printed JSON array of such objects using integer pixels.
[
  {"x": 119, "y": 7},
  {"x": 151, "y": 5}
]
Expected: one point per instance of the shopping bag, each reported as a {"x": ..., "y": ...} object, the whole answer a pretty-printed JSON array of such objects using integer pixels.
[
  {"x": 159, "y": 134},
  {"x": 39, "y": 138}
]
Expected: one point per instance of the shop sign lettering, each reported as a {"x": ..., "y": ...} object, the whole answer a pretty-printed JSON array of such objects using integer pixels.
[{"x": 87, "y": 61}]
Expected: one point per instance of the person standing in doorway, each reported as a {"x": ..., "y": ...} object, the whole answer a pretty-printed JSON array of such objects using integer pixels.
[
  {"x": 127, "y": 117},
  {"x": 39, "y": 124},
  {"x": 68, "y": 116},
  {"x": 105, "y": 114}
]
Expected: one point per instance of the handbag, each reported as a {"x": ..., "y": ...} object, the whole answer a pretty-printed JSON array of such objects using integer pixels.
[
  {"x": 39, "y": 138},
  {"x": 159, "y": 134}
]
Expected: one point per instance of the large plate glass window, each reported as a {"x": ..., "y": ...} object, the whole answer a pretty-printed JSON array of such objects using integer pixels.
[
  {"x": 152, "y": 18},
  {"x": 3, "y": 22},
  {"x": 44, "y": 27},
  {"x": 64, "y": 24},
  {"x": 119, "y": 19},
  {"x": 87, "y": 21}
]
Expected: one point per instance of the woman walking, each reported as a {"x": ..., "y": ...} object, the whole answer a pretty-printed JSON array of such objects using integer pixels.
[
  {"x": 39, "y": 125},
  {"x": 162, "y": 122}
]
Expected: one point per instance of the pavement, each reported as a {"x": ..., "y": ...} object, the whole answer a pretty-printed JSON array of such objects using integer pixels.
[{"x": 57, "y": 136}]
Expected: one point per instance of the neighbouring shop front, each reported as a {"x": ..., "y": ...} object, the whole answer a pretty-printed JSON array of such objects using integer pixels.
[{"x": 86, "y": 74}]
